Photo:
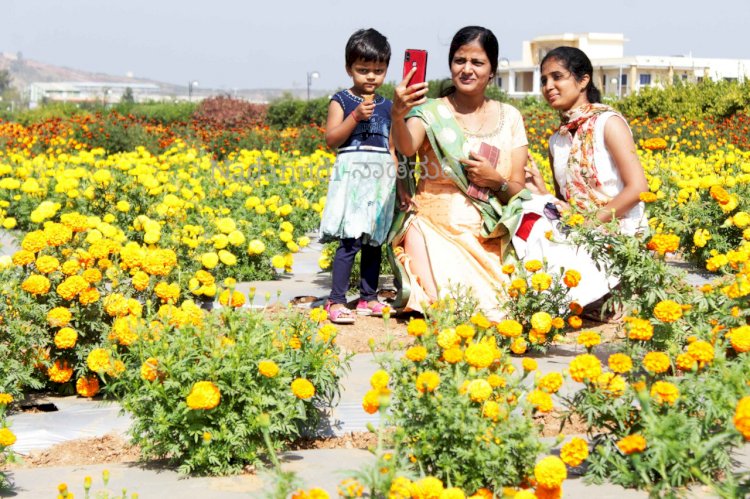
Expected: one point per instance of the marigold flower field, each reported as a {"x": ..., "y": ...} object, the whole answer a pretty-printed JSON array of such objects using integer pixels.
[{"x": 121, "y": 251}]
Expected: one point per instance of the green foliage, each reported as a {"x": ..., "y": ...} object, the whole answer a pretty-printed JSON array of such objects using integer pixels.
[
  {"x": 446, "y": 433},
  {"x": 165, "y": 113},
  {"x": 227, "y": 351},
  {"x": 289, "y": 112},
  {"x": 716, "y": 99}
]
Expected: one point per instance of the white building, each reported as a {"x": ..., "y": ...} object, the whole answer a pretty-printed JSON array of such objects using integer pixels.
[
  {"x": 103, "y": 92},
  {"x": 614, "y": 73}
]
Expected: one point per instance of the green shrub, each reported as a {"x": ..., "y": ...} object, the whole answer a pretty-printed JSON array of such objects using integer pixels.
[
  {"x": 222, "y": 436},
  {"x": 289, "y": 112}
]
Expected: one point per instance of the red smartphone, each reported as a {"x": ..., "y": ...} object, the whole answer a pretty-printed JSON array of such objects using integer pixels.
[{"x": 416, "y": 58}]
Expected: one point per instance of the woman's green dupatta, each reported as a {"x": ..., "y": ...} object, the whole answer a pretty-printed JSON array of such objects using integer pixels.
[{"x": 447, "y": 140}]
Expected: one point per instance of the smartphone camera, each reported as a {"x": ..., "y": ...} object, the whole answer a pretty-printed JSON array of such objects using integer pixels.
[{"x": 407, "y": 57}]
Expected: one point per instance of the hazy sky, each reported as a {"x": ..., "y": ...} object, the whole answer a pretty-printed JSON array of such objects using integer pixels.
[{"x": 228, "y": 44}]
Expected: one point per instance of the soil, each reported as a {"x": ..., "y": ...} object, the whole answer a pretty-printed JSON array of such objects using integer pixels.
[{"x": 110, "y": 448}]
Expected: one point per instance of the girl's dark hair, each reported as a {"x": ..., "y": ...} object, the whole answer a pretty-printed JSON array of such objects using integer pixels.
[
  {"x": 579, "y": 65},
  {"x": 367, "y": 45},
  {"x": 469, "y": 34}
]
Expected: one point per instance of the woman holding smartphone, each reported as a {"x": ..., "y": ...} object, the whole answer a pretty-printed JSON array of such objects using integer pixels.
[
  {"x": 595, "y": 165},
  {"x": 465, "y": 208}
]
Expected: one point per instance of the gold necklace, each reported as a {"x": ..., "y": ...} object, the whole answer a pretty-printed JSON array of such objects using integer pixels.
[{"x": 482, "y": 110}]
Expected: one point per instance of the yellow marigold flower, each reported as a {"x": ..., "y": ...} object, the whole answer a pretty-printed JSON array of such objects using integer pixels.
[
  {"x": 510, "y": 328},
  {"x": 620, "y": 363},
  {"x": 34, "y": 241},
  {"x": 209, "y": 260},
  {"x": 92, "y": 276},
  {"x": 379, "y": 380},
  {"x": 613, "y": 384},
  {"x": 518, "y": 346},
  {"x": 203, "y": 396},
  {"x": 542, "y": 322},
  {"x": 656, "y": 362},
  {"x": 66, "y": 338},
  {"x": 542, "y": 401},
  {"x": 740, "y": 339},
  {"x": 575, "y": 219},
  {"x": 533, "y": 265},
  {"x": 631, "y": 444},
  {"x": 168, "y": 293},
  {"x": 140, "y": 280},
  {"x": 589, "y": 339},
  {"x": 7, "y": 438},
  {"x": 465, "y": 331},
  {"x": 571, "y": 278},
  {"x": 87, "y": 386},
  {"x": 574, "y": 452},
  {"x": 71, "y": 267},
  {"x": 5, "y": 398},
  {"x": 429, "y": 488},
  {"x": 550, "y": 472},
  {"x": 550, "y": 382},
  {"x": 268, "y": 368},
  {"x": 350, "y": 488},
  {"x": 453, "y": 355},
  {"x": 741, "y": 219},
  {"x": 655, "y": 144},
  {"x": 428, "y": 381},
  {"x": 716, "y": 262},
  {"x": 664, "y": 392},
  {"x": 9, "y": 223},
  {"x": 701, "y": 237},
  {"x": 668, "y": 311},
  {"x": 702, "y": 351},
  {"x": 640, "y": 329},
  {"x": 453, "y": 493},
  {"x": 416, "y": 327},
  {"x": 59, "y": 317},
  {"x": 36, "y": 284},
  {"x": 541, "y": 281},
  {"x": 480, "y": 320},
  {"x": 529, "y": 364},
  {"x": 741, "y": 417},
  {"x": 685, "y": 362},
  {"x": 448, "y": 338},
  {"x": 491, "y": 410},
  {"x": 256, "y": 247},
  {"x": 23, "y": 257},
  {"x": 496, "y": 381},
  {"x": 479, "y": 355},
  {"x": 479, "y": 390},
  {"x": 318, "y": 314},
  {"x": 46, "y": 264},
  {"x": 416, "y": 353},
  {"x": 664, "y": 243},
  {"x": 327, "y": 332},
  {"x": 88, "y": 296},
  {"x": 227, "y": 258},
  {"x": 518, "y": 286},
  {"x": 98, "y": 360},
  {"x": 150, "y": 369},
  {"x": 278, "y": 261},
  {"x": 585, "y": 367},
  {"x": 303, "y": 389},
  {"x": 508, "y": 268},
  {"x": 71, "y": 286},
  {"x": 523, "y": 494},
  {"x": 60, "y": 372},
  {"x": 401, "y": 488},
  {"x": 230, "y": 298}
]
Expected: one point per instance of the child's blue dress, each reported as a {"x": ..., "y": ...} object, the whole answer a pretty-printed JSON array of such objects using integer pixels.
[{"x": 362, "y": 187}]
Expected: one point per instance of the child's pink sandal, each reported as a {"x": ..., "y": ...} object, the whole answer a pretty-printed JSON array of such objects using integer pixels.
[
  {"x": 340, "y": 315},
  {"x": 364, "y": 308}
]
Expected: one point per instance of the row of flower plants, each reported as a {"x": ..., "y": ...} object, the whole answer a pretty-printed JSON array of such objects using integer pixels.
[{"x": 119, "y": 252}]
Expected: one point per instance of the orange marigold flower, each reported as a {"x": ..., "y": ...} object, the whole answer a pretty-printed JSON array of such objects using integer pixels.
[
  {"x": 647, "y": 197},
  {"x": 60, "y": 372},
  {"x": 589, "y": 339},
  {"x": 533, "y": 265},
  {"x": 685, "y": 362},
  {"x": 632, "y": 444},
  {"x": 664, "y": 243},
  {"x": 742, "y": 417},
  {"x": 739, "y": 337},
  {"x": 702, "y": 351},
  {"x": 87, "y": 386},
  {"x": 204, "y": 395},
  {"x": 66, "y": 338},
  {"x": 150, "y": 369},
  {"x": 59, "y": 317},
  {"x": 416, "y": 353},
  {"x": 719, "y": 194},
  {"x": 639, "y": 329},
  {"x": 571, "y": 278},
  {"x": 550, "y": 472},
  {"x": 36, "y": 284},
  {"x": 550, "y": 382},
  {"x": 542, "y": 401},
  {"x": 518, "y": 346},
  {"x": 428, "y": 381}
]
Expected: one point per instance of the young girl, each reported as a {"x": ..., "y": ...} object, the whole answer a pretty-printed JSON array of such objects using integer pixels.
[{"x": 361, "y": 193}]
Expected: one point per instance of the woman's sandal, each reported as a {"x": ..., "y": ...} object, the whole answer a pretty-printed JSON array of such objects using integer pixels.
[
  {"x": 364, "y": 308},
  {"x": 339, "y": 315}
]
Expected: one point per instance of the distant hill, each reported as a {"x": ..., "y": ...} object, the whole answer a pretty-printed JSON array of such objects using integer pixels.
[{"x": 26, "y": 71}]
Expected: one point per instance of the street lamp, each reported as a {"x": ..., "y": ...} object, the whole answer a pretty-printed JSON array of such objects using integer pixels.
[
  {"x": 191, "y": 84},
  {"x": 310, "y": 76}
]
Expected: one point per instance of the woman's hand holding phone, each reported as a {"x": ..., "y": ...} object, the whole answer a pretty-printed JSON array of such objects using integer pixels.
[{"x": 407, "y": 96}]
